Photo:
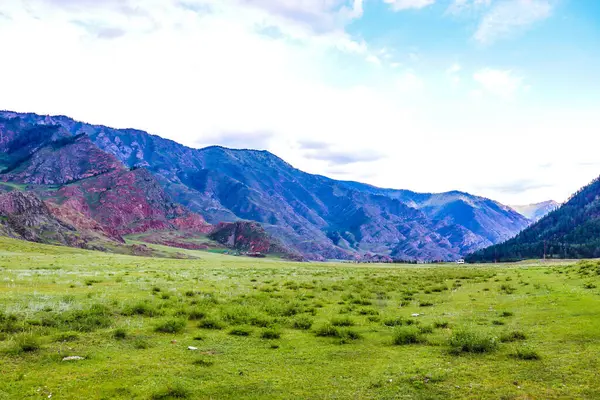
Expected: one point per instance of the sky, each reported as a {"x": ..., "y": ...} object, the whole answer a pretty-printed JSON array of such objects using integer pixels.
[{"x": 499, "y": 98}]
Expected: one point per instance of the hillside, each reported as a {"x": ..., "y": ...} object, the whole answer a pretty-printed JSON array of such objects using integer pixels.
[
  {"x": 63, "y": 189},
  {"x": 317, "y": 216},
  {"x": 571, "y": 231}
]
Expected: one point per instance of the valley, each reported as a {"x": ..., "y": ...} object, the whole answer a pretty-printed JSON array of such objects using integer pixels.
[{"x": 217, "y": 326}]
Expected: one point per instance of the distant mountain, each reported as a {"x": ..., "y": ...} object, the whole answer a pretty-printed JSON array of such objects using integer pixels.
[
  {"x": 571, "y": 231},
  {"x": 537, "y": 211},
  {"x": 318, "y": 217}
]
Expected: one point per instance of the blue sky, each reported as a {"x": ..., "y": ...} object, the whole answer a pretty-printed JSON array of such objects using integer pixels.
[{"x": 496, "y": 97}]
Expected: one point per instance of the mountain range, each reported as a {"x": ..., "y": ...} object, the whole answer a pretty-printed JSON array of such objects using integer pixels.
[{"x": 111, "y": 183}]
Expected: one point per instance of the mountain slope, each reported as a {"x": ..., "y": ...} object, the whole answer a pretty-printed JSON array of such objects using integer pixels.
[
  {"x": 318, "y": 216},
  {"x": 25, "y": 216},
  {"x": 73, "y": 193},
  {"x": 571, "y": 231},
  {"x": 490, "y": 221},
  {"x": 537, "y": 211}
]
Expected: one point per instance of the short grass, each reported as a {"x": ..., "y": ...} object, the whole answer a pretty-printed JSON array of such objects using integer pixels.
[{"x": 264, "y": 328}]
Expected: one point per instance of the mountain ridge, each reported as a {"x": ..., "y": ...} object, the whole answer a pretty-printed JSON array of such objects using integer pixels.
[
  {"x": 536, "y": 211},
  {"x": 318, "y": 216}
]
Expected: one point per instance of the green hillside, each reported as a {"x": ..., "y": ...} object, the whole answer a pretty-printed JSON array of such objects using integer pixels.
[{"x": 572, "y": 231}]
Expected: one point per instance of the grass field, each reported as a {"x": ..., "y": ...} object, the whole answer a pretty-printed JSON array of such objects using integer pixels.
[{"x": 264, "y": 328}]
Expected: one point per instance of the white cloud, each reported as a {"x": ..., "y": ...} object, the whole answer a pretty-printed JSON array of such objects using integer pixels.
[
  {"x": 409, "y": 82},
  {"x": 207, "y": 72},
  {"x": 508, "y": 16},
  {"x": 454, "y": 69},
  {"x": 501, "y": 83},
  {"x": 320, "y": 14},
  {"x": 453, "y": 73},
  {"x": 399, "y": 5},
  {"x": 461, "y": 6}
]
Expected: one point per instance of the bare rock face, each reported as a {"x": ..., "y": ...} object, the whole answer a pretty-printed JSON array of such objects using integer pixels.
[
  {"x": 249, "y": 237},
  {"x": 123, "y": 202},
  {"x": 25, "y": 216},
  {"x": 63, "y": 161}
]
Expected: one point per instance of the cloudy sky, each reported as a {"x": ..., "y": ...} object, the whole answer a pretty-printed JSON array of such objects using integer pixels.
[{"x": 496, "y": 97}]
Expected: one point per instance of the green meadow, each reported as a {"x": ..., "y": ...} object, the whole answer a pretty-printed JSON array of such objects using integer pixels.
[{"x": 225, "y": 327}]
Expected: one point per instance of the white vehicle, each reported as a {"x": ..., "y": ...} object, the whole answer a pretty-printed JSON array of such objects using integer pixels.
[{"x": 461, "y": 261}]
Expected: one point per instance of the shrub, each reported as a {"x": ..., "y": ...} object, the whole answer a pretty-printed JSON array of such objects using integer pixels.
[
  {"x": 261, "y": 321},
  {"x": 425, "y": 304},
  {"x": 525, "y": 353},
  {"x": 508, "y": 289},
  {"x": 368, "y": 311},
  {"x": 327, "y": 330},
  {"x": 302, "y": 322},
  {"x": 512, "y": 336},
  {"x": 210, "y": 324},
  {"x": 589, "y": 285},
  {"x": 441, "y": 324},
  {"x": 240, "y": 332},
  {"x": 399, "y": 321},
  {"x": 26, "y": 343},
  {"x": 202, "y": 362},
  {"x": 270, "y": 334},
  {"x": 176, "y": 391},
  {"x": 506, "y": 314},
  {"x": 498, "y": 322},
  {"x": 66, "y": 337},
  {"x": 196, "y": 314},
  {"x": 8, "y": 323},
  {"x": 342, "y": 322},
  {"x": 347, "y": 335},
  {"x": 145, "y": 309},
  {"x": 472, "y": 342},
  {"x": 87, "y": 320},
  {"x": 406, "y": 335},
  {"x": 426, "y": 329},
  {"x": 141, "y": 344},
  {"x": 119, "y": 334},
  {"x": 171, "y": 326}
]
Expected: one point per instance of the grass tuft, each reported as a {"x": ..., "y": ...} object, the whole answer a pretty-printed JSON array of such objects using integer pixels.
[
  {"x": 512, "y": 336},
  {"x": 240, "y": 332},
  {"x": 171, "y": 326},
  {"x": 469, "y": 341},
  {"x": 270, "y": 334},
  {"x": 176, "y": 391},
  {"x": 404, "y": 335},
  {"x": 525, "y": 353}
]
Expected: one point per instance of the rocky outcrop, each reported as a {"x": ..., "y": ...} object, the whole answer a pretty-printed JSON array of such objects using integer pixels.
[
  {"x": 25, "y": 216},
  {"x": 123, "y": 202},
  {"x": 63, "y": 161},
  {"x": 249, "y": 237}
]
